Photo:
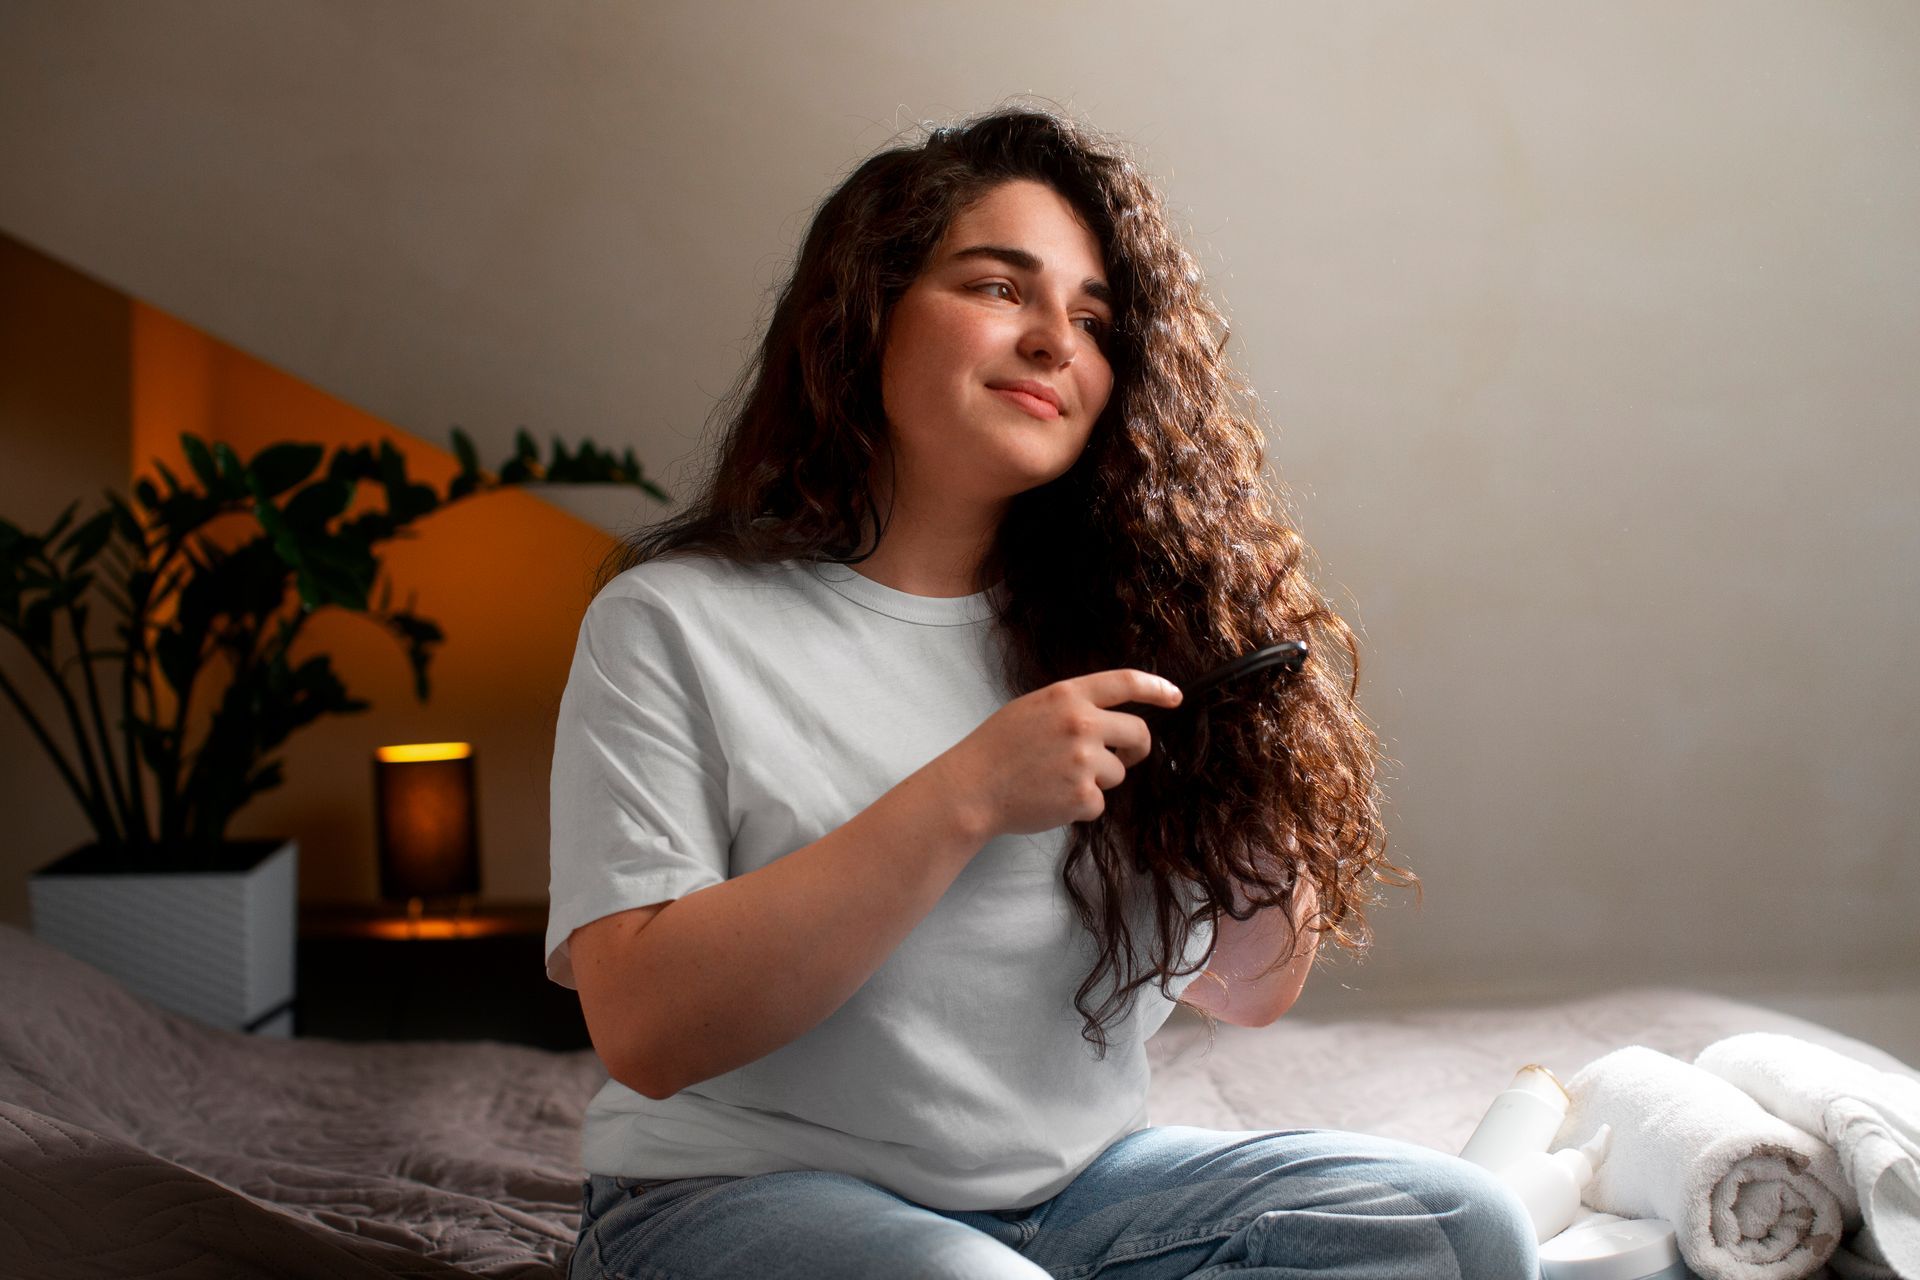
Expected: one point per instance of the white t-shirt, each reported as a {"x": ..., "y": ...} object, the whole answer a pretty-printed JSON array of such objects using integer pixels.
[{"x": 720, "y": 715}]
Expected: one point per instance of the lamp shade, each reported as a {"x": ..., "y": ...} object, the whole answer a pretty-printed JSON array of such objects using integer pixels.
[{"x": 426, "y": 814}]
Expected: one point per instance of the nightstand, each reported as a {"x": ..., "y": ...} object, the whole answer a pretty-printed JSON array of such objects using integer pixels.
[{"x": 367, "y": 972}]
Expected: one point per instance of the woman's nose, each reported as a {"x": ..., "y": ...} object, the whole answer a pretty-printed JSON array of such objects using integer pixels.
[{"x": 1048, "y": 336}]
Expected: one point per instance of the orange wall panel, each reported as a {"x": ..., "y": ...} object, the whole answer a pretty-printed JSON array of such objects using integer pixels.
[{"x": 505, "y": 575}]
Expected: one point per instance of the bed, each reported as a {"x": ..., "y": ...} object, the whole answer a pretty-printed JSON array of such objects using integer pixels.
[{"x": 136, "y": 1142}]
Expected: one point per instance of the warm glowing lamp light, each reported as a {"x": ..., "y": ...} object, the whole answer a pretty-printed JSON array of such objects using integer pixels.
[{"x": 428, "y": 825}]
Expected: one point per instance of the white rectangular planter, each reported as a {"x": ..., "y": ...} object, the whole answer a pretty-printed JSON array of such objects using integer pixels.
[{"x": 213, "y": 944}]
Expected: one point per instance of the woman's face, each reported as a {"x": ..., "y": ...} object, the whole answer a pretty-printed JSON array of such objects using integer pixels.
[{"x": 1014, "y": 292}]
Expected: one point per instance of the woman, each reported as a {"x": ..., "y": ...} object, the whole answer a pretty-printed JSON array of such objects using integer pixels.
[{"x": 866, "y": 928}]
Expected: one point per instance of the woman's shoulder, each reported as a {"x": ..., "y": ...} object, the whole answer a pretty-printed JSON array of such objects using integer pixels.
[{"x": 685, "y": 578}]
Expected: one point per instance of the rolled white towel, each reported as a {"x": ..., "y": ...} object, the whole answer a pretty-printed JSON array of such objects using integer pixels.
[
  {"x": 1859, "y": 1258},
  {"x": 1750, "y": 1196},
  {"x": 1870, "y": 1117}
]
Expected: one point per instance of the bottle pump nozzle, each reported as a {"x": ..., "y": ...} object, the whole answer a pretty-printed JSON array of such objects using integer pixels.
[{"x": 1551, "y": 1186}]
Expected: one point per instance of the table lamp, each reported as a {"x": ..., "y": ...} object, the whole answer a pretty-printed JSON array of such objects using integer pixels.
[{"x": 428, "y": 828}]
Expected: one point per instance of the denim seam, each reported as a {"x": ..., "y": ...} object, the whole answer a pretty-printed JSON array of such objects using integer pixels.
[
  {"x": 1255, "y": 1254},
  {"x": 1145, "y": 1246},
  {"x": 645, "y": 1273}
]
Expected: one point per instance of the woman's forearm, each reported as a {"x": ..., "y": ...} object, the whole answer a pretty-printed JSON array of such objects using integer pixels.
[{"x": 727, "y": 974}]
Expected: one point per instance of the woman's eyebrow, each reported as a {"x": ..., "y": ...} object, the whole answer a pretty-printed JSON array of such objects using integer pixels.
[{"x": 1027, "y": 262}]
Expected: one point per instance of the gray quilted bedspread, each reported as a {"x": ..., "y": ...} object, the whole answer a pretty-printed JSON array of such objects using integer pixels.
[
  {"x": 134, "y": 1142},
  {"x": 137, "y": 1143}
]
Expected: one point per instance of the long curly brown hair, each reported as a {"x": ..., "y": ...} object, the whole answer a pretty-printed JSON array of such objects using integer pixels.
[{"x": 1163, "y": 547}]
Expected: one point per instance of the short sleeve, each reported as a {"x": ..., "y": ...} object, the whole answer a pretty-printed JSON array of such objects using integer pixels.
[{"x": 638, "y": 791}]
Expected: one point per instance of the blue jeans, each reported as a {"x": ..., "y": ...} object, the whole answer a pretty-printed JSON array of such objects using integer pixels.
[{"x": 1165, "y": 1203}]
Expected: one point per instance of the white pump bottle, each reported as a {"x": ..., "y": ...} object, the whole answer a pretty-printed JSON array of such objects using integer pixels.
[
  {"x": 1521, "y": 1121},
  {"x": 1550, "y": 1185}
]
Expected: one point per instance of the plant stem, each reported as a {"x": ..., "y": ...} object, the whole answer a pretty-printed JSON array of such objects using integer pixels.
[
  {"x": 140, "y": 833},
  {"x": 101, "y": 821},
  {"x": 118, "y": 793},
  {"x": 173, "y": 823},
  {"x": 167, "y": 771},
  {"x": 103, "y": 815}
]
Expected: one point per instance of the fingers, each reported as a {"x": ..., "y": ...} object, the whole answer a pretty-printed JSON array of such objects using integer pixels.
[
  {"x": 1129, "y": 738},
  {"x": 1130, "y": 684},
  {"x": 1125, "y": 734}
]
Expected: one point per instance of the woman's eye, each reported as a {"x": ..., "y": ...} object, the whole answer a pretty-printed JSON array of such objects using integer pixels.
[{"x": 1097, "y": 327}]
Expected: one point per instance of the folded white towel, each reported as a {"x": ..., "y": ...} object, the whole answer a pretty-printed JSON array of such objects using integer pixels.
[
  {"x": 1750, "y": 1196},
  {"x": 1870, "y": 1117}
]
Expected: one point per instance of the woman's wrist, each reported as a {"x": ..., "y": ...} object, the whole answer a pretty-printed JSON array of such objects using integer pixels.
[{"x": 954, "y": 796}]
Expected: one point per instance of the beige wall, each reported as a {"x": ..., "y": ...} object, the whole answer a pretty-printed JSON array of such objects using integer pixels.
[{"x": 1588, "y": 334}]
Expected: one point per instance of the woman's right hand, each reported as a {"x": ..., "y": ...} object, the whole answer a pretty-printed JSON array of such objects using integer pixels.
[{"x": 1047, "y": 758}]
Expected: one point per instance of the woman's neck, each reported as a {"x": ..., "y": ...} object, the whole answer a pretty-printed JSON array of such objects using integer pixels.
[{"x": 932, "y": 554}]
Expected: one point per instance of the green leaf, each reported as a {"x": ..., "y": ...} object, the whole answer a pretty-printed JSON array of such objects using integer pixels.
[
  {"x": 59, "y": 525},
  {"x": 463, "y": 450},
  {"x": 470, "y": 478},
  {"x": 393, "y": 466},
  {"x": 412, "y": 502},
  {"x": 338, "y": 571},
  {"x": 265, "y": 778},
  {"x": 125, "y": 523},
  {"x": 310, "y": 509},
  {"x": 421, "y": 636},
  {"x": 177, "y": 651},
  {"x": 279, "y": 467},
  {"x": 84, "y": 543},
  {"x": 36, "y": 626},
  {"x": 233, "y": 476},
  {"x": 308, "y": 587},
  {"x": 525, "y": 463},
  {"x": 351, "y": 464},
  {"x": 183, "y": 513},
  {"x": 407, "y": 501},
  {"x": 140, "y": 583},
  {"x": 201, "y": 461},
  {"x": 286, "y": 541},
  {"x": 250, "y": 583},
  {"x": 369, "y": 527},
  {"x": 170, "y": 584}
]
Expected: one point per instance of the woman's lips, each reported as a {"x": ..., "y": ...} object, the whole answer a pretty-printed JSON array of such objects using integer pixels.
[{"x": 1032, "y": 404}]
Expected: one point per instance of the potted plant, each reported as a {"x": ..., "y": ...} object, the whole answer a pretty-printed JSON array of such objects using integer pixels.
[{"x": 160, "y": 897}]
